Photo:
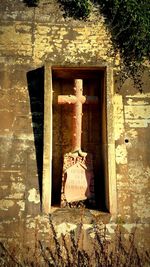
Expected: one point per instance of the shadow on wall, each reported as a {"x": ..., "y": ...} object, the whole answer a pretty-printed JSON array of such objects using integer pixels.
[{"x": 35, "y": 81}]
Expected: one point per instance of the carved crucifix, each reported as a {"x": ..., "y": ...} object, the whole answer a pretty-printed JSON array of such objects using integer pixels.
[{"x": 78, "y": 178}]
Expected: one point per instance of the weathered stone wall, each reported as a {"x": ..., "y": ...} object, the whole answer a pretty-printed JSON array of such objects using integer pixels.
[{"x": 28, "y": 38}]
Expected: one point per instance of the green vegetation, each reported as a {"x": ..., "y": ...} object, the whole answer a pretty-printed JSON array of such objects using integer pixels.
[
  {"x": 128, "y": 20},
  {"x": 78, "y": 9},
  {"x": 31, "y": 3},
  {"x": 129, "y": 24}
]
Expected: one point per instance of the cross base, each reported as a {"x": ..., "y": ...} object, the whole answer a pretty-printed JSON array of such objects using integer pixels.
[{"x": 77, "y": 179}]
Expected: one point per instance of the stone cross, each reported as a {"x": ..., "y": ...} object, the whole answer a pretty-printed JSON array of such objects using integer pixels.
[{"x": 77, "y": 100}]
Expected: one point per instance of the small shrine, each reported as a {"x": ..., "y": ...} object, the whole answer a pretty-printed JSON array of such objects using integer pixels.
[
  {"x": 78, "y": 137},
  {"x": 78, "y": 166}
]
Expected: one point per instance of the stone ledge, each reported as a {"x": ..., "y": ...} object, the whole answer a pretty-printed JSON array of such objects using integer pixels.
[{"x": 78, "y": 215}]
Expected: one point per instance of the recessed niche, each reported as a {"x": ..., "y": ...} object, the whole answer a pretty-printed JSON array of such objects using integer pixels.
[{"x": 94, "y": 137}]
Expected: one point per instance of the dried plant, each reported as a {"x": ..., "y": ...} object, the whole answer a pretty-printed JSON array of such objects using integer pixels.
[{"x": 67, "y": 250}]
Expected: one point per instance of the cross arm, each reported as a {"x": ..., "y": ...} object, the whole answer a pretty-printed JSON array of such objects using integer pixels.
[
  {"x": 72, "y": 99},
  {"x": 67, "y": 99}
]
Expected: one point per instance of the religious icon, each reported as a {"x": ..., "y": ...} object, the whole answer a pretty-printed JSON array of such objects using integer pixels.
[{"x": 78, "y": 175}]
